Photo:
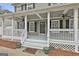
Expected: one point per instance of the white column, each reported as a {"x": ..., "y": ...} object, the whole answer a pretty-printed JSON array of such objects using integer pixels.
[
  {"x": 2, "y": 26},
  {"x": 12, "y": 28},
  {"x": 26, "y": 25},
  {"x": 48, "y": 28},
  {"x": 25, "y": 32},
  {"x": 76, "y": 27}
]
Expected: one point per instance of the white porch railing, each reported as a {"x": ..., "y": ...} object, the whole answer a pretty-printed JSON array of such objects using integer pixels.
[
  {"x": 7, "y": 32},
  {"x": 62, "y": 34},
  {"x": 18, "y": 34}
]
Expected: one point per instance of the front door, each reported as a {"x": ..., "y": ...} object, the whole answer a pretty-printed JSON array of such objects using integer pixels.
[{"x": 42, "y": 27}]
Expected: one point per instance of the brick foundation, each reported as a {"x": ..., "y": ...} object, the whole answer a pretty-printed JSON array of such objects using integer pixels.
[{"x": 8, "y": 44}]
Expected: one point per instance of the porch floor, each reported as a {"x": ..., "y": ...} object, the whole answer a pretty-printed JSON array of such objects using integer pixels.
[{"x": 37, "y": 37}]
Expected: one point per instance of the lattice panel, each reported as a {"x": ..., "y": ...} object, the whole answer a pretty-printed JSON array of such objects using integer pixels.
[{"x": 64, "y": 46}]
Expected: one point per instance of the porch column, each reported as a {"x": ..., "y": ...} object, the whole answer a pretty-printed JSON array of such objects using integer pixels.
[
  {"x": 26, "y": 25},
  {"x": 48, "y": 28},
  {"x": 12, "y": 27},
  {"x": 76, "y": 27},
  {"x": 25, "y": 31}
]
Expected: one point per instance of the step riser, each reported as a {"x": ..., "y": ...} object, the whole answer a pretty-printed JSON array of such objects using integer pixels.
[{"x": 34, "y": 45}]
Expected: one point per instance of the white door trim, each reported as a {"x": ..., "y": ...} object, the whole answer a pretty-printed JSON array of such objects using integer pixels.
[{"x": 39, "y": 28}]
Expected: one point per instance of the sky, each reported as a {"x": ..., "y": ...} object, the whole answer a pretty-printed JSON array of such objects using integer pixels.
[{"x": 7, "y": 6}]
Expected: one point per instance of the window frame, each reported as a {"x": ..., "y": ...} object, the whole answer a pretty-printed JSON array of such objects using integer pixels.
[
  {"x": 58, "y": 24},
  {"x": 32, "y": 27}
]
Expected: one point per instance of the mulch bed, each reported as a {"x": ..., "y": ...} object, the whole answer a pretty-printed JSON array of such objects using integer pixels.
[
  {"x": 61, "y": 52},
  {"x": 30, "y": 50}
]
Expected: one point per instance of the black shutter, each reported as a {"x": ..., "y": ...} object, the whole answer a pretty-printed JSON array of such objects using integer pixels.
[
  {"x": 61, "y": 24},
  {"x": 49, "y": 4},
  {"x": 67, "y": 24},
  {"x": 25, "y": 6},
  {"x": 33, "y": 5},
  {"x": 21, "y": 7},
  {"x": 50, "y": 24},
  {"x": 28, "y": 26},
  {"x": 15, "y": 9},
  {"x": 35, "y": 26}
]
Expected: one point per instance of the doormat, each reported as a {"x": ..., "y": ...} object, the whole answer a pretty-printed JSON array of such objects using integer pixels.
[{"x": 30, "y": 50}]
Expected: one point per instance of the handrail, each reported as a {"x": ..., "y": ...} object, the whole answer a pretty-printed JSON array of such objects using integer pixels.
[
  {"x": 61, "y": 29},
  {"x": 23, "y": 35}
]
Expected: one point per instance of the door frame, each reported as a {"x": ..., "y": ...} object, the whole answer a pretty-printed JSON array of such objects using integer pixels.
[{"x": 39, "y": 28}]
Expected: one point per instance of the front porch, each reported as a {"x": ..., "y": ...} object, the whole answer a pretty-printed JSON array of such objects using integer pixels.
[{"x": 56, "y": 28}]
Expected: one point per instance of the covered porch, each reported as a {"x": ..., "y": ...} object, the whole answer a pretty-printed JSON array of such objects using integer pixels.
[{"x": 53, "y": 25}]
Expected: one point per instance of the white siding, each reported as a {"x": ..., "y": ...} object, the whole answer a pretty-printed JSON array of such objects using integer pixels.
[{"x": 41, "y": 5}]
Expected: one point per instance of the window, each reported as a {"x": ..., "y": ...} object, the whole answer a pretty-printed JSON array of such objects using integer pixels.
[
  {"x": 24, "y": 7},
  {"x": 18, "y": 8},
  {"x": 49, "y": 4},
  {"x": 71, "y": 23},
  {"x": 32, "y": 26},
  {"x": 31, "y": 6},
  {"x": 55, "y": 24}
]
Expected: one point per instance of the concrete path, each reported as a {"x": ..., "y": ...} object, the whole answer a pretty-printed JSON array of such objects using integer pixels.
[{"x": 19, "y": 52}]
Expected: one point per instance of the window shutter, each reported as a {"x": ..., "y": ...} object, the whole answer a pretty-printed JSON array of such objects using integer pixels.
[
  {"x": 21, "y": 7},
  {"x": 28, "y": 26},
  {"x": 50, "y": 24},
  {"x": 15, "y": 9},
  {"x": 61, "y": 24},
  {"x": 33, "y": 5},
  {"x": 35, "y": 26},
  {"x": 25, "y": 6},
  {"x": 67, "y": 24}
]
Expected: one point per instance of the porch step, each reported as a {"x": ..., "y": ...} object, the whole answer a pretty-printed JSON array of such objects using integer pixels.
[
  {"x": 37, "y": 41},
  {"x": 38, "y": 44}
]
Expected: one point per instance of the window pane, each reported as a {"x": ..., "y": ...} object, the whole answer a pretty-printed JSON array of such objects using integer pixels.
[
  {"x": 31, "y": 27},
  {"x": 55, "y": 24}
]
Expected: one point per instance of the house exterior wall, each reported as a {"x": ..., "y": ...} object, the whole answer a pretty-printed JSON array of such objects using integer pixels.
[{"x": 29, "y": 6}]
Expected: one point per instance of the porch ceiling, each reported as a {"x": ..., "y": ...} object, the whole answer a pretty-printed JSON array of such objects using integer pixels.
[{"x": 34, "y": 16}]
